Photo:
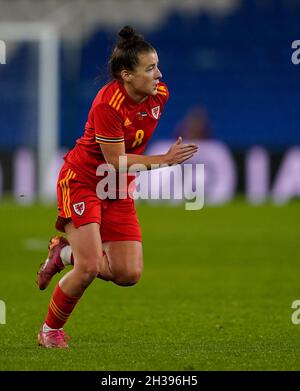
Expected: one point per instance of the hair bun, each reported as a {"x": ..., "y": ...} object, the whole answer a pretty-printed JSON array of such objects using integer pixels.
[{"x": 129, "y": 34}]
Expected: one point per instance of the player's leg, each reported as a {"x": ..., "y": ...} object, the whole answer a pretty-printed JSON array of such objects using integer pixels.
[
  {"x": 122, "y": 241},
  {"x": 86, "y": 245},
  {"x": 126, "y": 261},
  {"x": 121, "y": 234},
  {"x": 87, "y": 248},
  {"x": 61, "y": 255},
  {"x": 122, "y": 261},
  {"x": 72, "y": 193}
]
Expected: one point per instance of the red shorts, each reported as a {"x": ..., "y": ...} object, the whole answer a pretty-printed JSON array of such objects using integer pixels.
[{"x": 77, "y": 201}]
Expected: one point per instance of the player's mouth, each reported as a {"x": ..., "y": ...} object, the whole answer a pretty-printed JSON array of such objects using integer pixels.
[{"x": 155, "y": 85}]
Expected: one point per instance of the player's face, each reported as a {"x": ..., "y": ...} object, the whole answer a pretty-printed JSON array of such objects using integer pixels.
[{"x": 145, "y": 77}]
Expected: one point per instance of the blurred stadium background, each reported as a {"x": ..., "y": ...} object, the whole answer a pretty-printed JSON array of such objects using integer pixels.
[
  {"x": 218, "y": 283},
  {"x": 228, "y": 61}
]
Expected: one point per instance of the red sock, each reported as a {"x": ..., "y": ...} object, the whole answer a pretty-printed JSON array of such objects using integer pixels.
[{"x": 60, "y": 308}]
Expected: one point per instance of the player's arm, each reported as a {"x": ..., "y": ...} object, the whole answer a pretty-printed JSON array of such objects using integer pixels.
[
  {"x": 109, "y": 134},
  {"x": 178, "y": 153}
]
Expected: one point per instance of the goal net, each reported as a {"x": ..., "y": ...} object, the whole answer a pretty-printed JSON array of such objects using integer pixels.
[{"x": 28, "y": 108}]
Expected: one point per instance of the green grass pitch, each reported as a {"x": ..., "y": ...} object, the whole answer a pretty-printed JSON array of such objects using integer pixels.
[{"x": 216, "y": 294}]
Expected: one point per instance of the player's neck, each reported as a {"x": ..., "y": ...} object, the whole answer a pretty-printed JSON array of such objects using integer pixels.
[{"x": 138, "y": 98}]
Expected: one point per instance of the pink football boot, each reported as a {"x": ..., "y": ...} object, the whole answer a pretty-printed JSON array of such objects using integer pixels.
[
  {"x": 53, "y": 339},
  {"x": 53, "y": 263}
]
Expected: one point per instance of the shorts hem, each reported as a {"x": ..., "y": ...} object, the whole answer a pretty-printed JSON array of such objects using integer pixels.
[
  {"x": 62, "y": 221},
  {"x": 85, "y": 222}
]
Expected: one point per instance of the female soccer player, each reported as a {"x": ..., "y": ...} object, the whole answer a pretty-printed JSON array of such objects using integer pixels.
[{"x": 104, "y": 236}]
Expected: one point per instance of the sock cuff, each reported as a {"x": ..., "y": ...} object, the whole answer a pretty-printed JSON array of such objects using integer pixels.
[
  {"x": 61, "y": 295},
  {"x": 66, "y": 255}
]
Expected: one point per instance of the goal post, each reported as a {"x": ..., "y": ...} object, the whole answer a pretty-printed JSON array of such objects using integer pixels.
[{"x": 47, "y": 37}]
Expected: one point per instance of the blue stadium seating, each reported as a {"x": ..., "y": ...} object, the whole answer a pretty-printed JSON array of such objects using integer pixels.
[{"x": 239, "y": 67}]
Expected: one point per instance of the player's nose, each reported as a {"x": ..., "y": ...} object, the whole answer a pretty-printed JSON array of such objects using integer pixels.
[{"x": 158, "y": 74}]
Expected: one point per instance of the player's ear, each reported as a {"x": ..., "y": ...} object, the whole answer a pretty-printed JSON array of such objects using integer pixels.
[{"x": 126, "y": 75}]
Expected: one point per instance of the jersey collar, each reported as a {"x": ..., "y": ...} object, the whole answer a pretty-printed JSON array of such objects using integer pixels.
[{"x": 131, "y": 101}]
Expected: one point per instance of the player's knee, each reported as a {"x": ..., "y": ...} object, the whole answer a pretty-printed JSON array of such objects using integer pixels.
[
  {"x": 129, "y": 278},
  {"x": 90, "y": 269},
  {"x": 90, "y": 273}
]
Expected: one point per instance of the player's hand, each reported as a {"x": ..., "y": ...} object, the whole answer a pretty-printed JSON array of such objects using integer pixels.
[{"x": 179, "y": 152}]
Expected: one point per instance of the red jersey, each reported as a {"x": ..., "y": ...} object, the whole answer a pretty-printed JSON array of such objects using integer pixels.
[{"x": 116, "y": 118}]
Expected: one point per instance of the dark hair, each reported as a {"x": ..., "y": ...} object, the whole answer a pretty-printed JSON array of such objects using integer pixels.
[{"x": 125, "y": 53}]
